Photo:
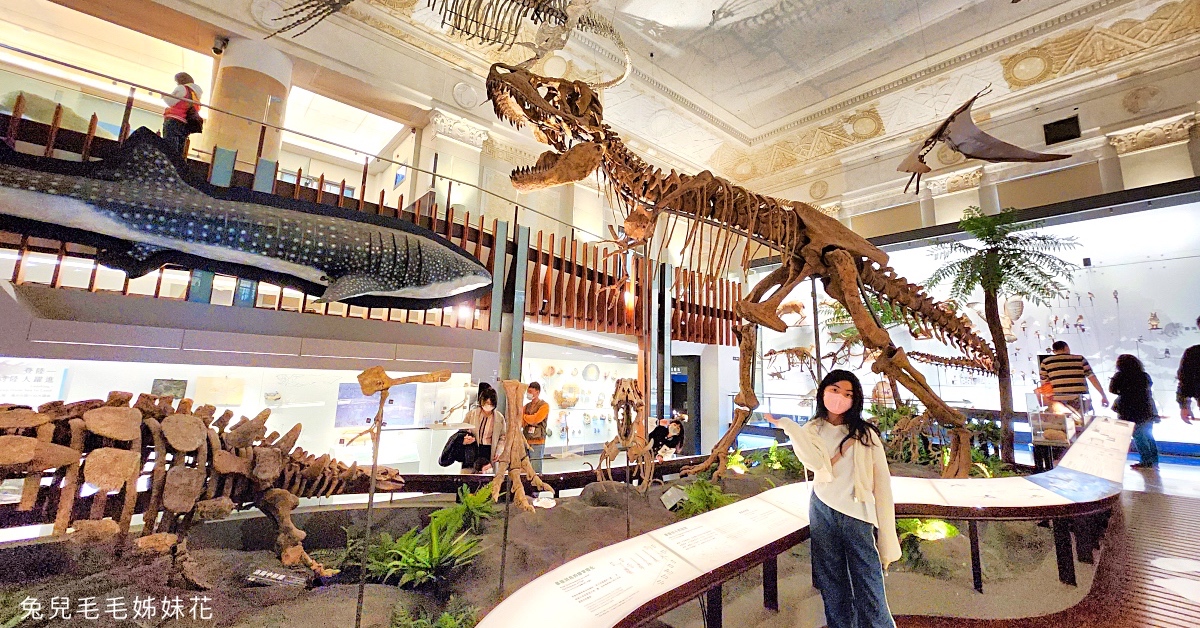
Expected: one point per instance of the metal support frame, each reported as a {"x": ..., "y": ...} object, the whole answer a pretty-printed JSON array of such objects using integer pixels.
[
  {"x": 520, "y": 262},
  {"x": 770, "y": 575},
  {"x": 713, "y": 611},
  {"x": 976, "y": 565},
  {"x": 1062, "y": 551},
  {"x": 500, "y": 253}
]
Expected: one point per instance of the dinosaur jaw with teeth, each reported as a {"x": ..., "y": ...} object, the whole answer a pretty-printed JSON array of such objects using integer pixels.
[{"x": 554, "y": 169}]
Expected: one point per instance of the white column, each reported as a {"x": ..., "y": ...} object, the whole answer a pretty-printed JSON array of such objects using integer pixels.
[
  {"x": 1194, "y": 146},
  {"x": 253, "y": 82},
  {"x": 989, "y": 196},
  {"x": 928, "y": 213},
  {"x": 1109, "y": 162}
]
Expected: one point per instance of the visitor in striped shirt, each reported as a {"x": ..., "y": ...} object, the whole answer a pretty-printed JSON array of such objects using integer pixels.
[{"x": 1068, "y": 374}]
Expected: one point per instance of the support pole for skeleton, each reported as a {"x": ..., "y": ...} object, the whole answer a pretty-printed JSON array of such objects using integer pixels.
[{"x": 371, "y": 381}]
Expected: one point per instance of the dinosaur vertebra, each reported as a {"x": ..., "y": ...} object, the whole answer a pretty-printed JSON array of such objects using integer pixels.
[
  {"x": 202, "y": 468},
  {"x": 809, "y": 243}
]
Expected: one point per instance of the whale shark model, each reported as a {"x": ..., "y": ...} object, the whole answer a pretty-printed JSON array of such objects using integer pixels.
[{"x": 140, "y": 212}]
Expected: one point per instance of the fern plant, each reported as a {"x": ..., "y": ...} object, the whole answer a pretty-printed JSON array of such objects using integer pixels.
[
  {"x": 469, "y": 513},
  {"x": 703, "y": 496},
  {"x": 1009, "y": 260},
  {"x": 425, "y": 557},
  {"x": 11, "y": 613},
  {"x": 737, "y": 462},
  {"x": 458, "y": 614},
  {"x": 777, "y": 458}
]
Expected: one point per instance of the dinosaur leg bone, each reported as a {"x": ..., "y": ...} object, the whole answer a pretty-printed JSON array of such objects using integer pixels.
[
  {"x": 764, "y": 312},
  {"x": 891, "y": 360}
]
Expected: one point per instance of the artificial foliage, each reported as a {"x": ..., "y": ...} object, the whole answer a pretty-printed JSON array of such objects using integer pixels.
[
  {"x": 913, "y": 532},
  {"x": 471, "y": 510},
  {"x": 703, "y": 496},
  {"x": 776, "y": 458},
  {"x": 458, "y": 614},
  {"x": 421, "y": 557},
  {"x": 1007, "y": 258}
]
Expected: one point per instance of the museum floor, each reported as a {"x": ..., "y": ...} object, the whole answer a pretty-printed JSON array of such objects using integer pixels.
[{"x": 1148, "y": 575}]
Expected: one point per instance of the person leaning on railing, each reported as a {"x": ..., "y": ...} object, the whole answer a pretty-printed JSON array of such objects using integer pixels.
[{"x": 180, "y": 103}]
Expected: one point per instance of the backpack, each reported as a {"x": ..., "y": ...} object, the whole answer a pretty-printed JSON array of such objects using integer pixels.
[{"x": 192, "y": 120}]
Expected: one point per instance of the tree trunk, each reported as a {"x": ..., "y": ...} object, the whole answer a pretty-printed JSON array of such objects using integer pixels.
[{"x": 991, "y": 307}]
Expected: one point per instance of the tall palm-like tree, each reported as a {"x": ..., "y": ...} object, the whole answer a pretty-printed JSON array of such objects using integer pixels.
[{"x": 1007, "y": 259}]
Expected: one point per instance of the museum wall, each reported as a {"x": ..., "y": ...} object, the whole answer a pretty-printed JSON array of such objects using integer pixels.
[{"x": 323, "y": 401}]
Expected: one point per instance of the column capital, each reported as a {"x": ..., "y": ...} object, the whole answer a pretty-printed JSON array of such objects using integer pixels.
[{"x": 456, "y": 128}]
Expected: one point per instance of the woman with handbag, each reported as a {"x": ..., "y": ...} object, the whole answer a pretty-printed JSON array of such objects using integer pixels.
[
  {"x": 1135, "y": 403},
  {"x": 487, "y": 430},
  {"x": 182, "y": 116}
]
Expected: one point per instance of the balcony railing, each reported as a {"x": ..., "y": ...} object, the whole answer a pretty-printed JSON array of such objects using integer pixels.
[{"x": 571, "y": 280}]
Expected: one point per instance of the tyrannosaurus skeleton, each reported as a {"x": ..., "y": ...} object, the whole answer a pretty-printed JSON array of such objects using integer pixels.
[{"x": 568, "y": 116}]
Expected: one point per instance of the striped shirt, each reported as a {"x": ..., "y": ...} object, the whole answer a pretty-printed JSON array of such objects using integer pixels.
[{"x": 1067, "y": 374}]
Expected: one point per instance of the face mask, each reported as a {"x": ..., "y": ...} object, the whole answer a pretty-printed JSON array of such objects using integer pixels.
[
  {"x": 836, "y": 403},
  {"x": 488, "y": 408}
]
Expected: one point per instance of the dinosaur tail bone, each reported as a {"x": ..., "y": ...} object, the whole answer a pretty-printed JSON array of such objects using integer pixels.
[{"x": 933, "y": 317}]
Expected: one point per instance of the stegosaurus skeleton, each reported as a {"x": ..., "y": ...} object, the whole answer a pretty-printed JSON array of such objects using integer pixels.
[
  {"x": 202, "y": 469},
  {"x": 568, "y": 116}
]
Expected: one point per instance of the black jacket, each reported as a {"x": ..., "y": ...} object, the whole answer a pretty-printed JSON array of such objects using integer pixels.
[
  {"x": 456, "y": 451},
  {"x": 1134, "y": 400},
  {"x": 1189, "y": 376}
]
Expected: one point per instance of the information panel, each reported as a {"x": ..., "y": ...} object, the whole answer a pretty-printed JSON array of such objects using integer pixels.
[
  {"x": 708, "y": 541},
  {"x": 597, "y": 589},
  {"x": 1101, "y": 450}
]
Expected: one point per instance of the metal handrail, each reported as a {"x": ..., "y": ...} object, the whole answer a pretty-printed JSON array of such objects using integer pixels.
[{"x": 266, "y": 124}]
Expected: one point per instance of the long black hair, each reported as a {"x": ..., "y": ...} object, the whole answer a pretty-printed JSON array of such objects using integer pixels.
[
  {"x": 486, "y": 393},
  {"x": 860, "y": 429}
]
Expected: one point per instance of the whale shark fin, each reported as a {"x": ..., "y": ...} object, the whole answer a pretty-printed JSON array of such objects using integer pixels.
[
  {"x": 143, "y": 159},
  {"x": 353, "y": 285},
  {"x": 137, "y": 260}
]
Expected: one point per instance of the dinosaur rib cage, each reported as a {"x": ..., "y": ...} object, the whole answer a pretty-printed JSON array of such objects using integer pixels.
[
  {"x": 497, "y": 22},
  {"x": 766, "y": 220}
]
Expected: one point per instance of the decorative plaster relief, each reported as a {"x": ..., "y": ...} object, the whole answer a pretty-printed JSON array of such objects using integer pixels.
[
  {"x": 818, "y": 190},
  {"x": 948, "y": 156},
  {"x": 804, "y": 146},
  {"x": 467, "y": 96},
  {"x": 960, "y": 181},
  {"x": 458, "y": 129},
  {"x": 833, "y": 210},
  {"x": 1153, "y": 135},
  {"x": 1099, "y": 45},
  {"x": 507, "y": 153},
  {"x": 1144, "y": 98}
]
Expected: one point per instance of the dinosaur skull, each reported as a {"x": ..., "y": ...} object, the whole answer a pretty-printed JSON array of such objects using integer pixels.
[
  {"x": 627, "y": 406},
  {"x": 561, "y": 113}
]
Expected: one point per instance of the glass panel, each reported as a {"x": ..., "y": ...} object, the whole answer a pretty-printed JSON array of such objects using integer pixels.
[
  {"x": 223, "y": 288},
  {"x": 110, "y": 279},
  {"x": 175, "y": 283},
  {"x": 38, "y": 267},
  {"x": 145, "y": 284},
  {"x": 76, "y": 272},
  {"x": 268, "y": 295}
]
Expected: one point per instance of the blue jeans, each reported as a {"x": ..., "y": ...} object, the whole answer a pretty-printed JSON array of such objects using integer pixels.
[
  {"x": 536, "y": 452},
  {"x": 846, "y": 569},
  {"x": 1143, "y": 437}
]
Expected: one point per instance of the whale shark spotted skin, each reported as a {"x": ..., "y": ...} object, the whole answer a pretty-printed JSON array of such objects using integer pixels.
[{"x": 139, "y": 200}]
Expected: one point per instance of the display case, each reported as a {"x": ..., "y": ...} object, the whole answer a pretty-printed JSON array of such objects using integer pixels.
[
  {"x": 1055, "y": 423},
  {"x": 579, "y": 393}
]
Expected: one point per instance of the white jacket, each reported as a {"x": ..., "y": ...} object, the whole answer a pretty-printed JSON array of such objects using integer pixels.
[{"x": 872, "y": 479}]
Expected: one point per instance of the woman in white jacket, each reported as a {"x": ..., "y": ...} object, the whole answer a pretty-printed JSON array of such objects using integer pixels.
[{"x": 852, "y": 519}]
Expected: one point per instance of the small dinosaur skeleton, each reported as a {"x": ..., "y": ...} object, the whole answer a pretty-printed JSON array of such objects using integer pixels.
[
  {"x": 794, "y": 357},
  {"x": 568, "y": 116},
  {"x": 628, "y": 411},
  {"x": 201, "y": 469},
  {"x": 961, "y": 134}
]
